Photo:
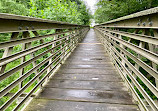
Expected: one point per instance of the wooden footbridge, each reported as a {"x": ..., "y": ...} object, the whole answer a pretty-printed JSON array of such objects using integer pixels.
[{"x": 70, "y": 67}]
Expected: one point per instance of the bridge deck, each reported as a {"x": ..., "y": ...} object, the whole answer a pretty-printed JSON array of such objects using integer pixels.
[{"x": 87, "y": 81}]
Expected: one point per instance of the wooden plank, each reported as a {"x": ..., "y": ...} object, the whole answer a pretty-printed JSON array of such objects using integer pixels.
[
  {"x": 84, "y": 84},
  {"x": 86, "y": 71},
  {"x": 98, "y": 96},
  {"x": 84, "y": 66},
  {"x": 52, "y": 105},
  {"x": 88, "y": 77}
]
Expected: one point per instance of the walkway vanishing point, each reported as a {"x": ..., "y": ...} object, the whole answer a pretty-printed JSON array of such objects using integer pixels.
[
  {"x": 87, "y": 81},
  {"x": 70, "y": 67}
]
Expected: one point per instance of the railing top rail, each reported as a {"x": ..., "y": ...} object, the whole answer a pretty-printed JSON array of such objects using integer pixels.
[
  {"x": 132, "y": 16},
  {"x": 33, "y": 19},
  {"x": 17, "y": 23}
]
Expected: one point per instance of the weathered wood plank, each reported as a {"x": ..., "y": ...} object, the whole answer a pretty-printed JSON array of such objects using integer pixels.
[
  {"x": 88, "y": 77},
  {"x": 98, "y": 96},
  {"x": 86, "y": 71},
  {"x": 84, "y": 84},
  {"x": 53, "y": 105}
]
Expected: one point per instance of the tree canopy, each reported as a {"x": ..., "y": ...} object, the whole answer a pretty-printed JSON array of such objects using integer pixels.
[
  {"x": 72, "y": 11},
  {"x": 112, "y": 9}
]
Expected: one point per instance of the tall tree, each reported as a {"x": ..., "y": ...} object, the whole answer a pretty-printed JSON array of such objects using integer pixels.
[
  {"x": 72, "y": 11},
  {"x": 112, "y": 9}
]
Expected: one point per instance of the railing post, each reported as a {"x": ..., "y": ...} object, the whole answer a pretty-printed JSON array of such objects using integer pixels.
[
  {"x": 153, "y": 49},
  {"x": 77, "y": 37},
  {"x": 33, "y": 54},
  {"x": 8, "y": 51},
  {"x": 24, "y": 46}
]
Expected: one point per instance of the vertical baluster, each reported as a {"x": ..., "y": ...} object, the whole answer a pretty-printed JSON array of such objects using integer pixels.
[
  {"x": 58, "y": 36},
  {"x": 24, "y": 46},
  {"x": 65, "y": 42},
  {"x": 72, "y": 41},
  {"x": 23, "y": 59},
  {"x": 76, "y": 38},
  {"x": 154, "y": 49},
  {"x": 68, "y": 43},
  {"x": 8, "y": 51},
  {"x": 33, "y": 54}
]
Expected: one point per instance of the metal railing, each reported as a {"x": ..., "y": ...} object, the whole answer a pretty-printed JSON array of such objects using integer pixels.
[
  {"x": 39, "y": 54},
  {"x": 132, "y": 44}
]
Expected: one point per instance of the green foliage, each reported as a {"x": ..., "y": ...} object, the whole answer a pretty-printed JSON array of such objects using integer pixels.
[
  {"x": 112, "y": 9},
  {"x": 12, "y": 7},
  {"x": 71, "y": 11}
]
